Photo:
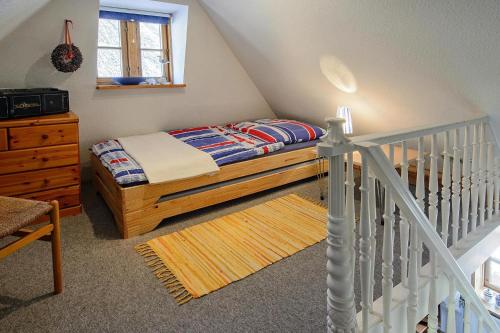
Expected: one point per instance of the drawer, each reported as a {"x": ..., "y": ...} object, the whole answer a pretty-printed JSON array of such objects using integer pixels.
[
  {"x": 67, "y": 196},
  {"x": 40, "y": 180},
  {"x": 38, "y": 158},
  {"x": 3, "y": 139},
  {"x": 41, "y": 136}
]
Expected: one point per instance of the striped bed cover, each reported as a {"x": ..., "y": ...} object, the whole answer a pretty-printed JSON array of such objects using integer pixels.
[{"x": 226, "y": 144}]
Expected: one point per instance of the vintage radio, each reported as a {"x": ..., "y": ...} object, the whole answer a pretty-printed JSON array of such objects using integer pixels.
[{"x": 17, "y": 103}]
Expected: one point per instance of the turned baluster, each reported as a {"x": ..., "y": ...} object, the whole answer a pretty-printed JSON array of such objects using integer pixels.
[
  {"x": 387, "y": 255},
  {"x": 450, "y": 323},
  {"x": 466, "y": 183},
  {"x": 480, "y": 325},
  {"x": 467, "y": 312},
  {"x": 482, "y": 173},
  {"x": 433, "y": 182},
  {"x": 412, "y": 307},
  {"x": 474, "y": 179},
  {"x": 490, "y": 180},
  {"x": 393, "y": 204},
  {"x": 373, "y": 239},
  {"x": 341, "y": 311},
  {"x": 445, "y": 189},
  {"x": 365, "y": 244},
  {"x": 455, "y": 187},
  {"x": 433, "y": 215},
  {"x": 350, "y": 209},
  {"x": 420, "y": 190},
  {"x": 404, "y": 227},
  {"x": 497, "y": 186}
]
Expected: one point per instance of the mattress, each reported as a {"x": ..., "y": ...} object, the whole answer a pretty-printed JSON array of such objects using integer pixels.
[
  {"x": 226, "y": 144},
  {"x": 135, "y": 174}
]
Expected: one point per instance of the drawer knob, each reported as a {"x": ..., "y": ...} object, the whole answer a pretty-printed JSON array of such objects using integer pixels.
[{"x": 45, "y": 136}]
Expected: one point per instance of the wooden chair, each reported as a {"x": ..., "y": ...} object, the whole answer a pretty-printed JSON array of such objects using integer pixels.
[{"x": 16, "y": 214}]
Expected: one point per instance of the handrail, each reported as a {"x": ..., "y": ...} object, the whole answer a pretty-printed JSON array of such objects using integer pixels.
[
  {"x": 326, "y": 149},
  {"x": 406, "y": 134},
  {"x": 405, "y": 201}
]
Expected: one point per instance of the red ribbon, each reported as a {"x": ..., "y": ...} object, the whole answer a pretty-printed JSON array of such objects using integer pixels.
[{"x": 67, "y": 40}]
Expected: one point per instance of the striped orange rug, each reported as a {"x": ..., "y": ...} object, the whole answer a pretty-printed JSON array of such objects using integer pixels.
[{"x": 206, "y": 257}]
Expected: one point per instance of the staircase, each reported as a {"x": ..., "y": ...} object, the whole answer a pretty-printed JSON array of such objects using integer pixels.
[{"x": 459, "y": 224}]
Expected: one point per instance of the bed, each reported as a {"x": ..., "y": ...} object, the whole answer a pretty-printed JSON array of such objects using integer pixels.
[{"x": 279, "y": 157}]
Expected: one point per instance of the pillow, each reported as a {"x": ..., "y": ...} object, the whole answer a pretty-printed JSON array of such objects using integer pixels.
[
  {"x": 280, "y": 130},
  {"x": 124, "y": 168}
]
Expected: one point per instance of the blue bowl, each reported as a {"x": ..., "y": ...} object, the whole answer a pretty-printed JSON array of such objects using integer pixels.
[{"x": 127, "y": 81}]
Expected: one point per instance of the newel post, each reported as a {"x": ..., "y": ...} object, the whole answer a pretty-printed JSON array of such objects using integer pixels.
[{"x": 341, "y": 312}]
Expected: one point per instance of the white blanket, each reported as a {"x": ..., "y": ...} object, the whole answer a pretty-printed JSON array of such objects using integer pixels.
[{"x": 165, "y": 158}]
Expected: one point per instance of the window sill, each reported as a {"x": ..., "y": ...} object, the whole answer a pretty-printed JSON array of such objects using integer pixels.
[
  {"x": 490, "y": 306},
  {"x": 138, "y": 86}
]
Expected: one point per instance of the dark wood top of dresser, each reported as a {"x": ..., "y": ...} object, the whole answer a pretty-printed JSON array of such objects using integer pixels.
[{"x": 62, "y": 118}]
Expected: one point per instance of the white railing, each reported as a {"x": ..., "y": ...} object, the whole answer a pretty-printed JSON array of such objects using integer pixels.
[{"x": 467, "y": 177}]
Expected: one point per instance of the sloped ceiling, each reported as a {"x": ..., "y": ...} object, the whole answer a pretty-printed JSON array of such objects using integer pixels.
[
  {"x": 412, "y": 62},
  {"x": 15, "y": 12}
]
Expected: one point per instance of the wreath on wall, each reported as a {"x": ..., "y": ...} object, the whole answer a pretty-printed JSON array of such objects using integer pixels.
[{"x": 67, "y": 57}]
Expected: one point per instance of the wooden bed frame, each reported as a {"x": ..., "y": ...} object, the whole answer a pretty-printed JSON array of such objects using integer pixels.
[{"x": 138, "y": 209}]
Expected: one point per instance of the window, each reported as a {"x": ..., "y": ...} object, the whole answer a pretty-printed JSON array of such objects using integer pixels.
[
  {"x": 109, "y": 52},
  {"x": 133, "y": 45},
  {"x": 492, "y": 272}
]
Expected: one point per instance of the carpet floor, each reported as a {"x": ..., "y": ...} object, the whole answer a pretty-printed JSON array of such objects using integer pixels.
[{"x": 109, "y": 289}]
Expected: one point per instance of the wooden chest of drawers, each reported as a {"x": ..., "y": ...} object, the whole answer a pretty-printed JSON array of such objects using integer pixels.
[{"x": 40, "y": 159}]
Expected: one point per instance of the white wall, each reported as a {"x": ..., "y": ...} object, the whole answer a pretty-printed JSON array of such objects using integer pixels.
[
  {"x": 14, "y": 12},
  {"x": 218, "y": 88},
  {"x": 415, "y": 62}
]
